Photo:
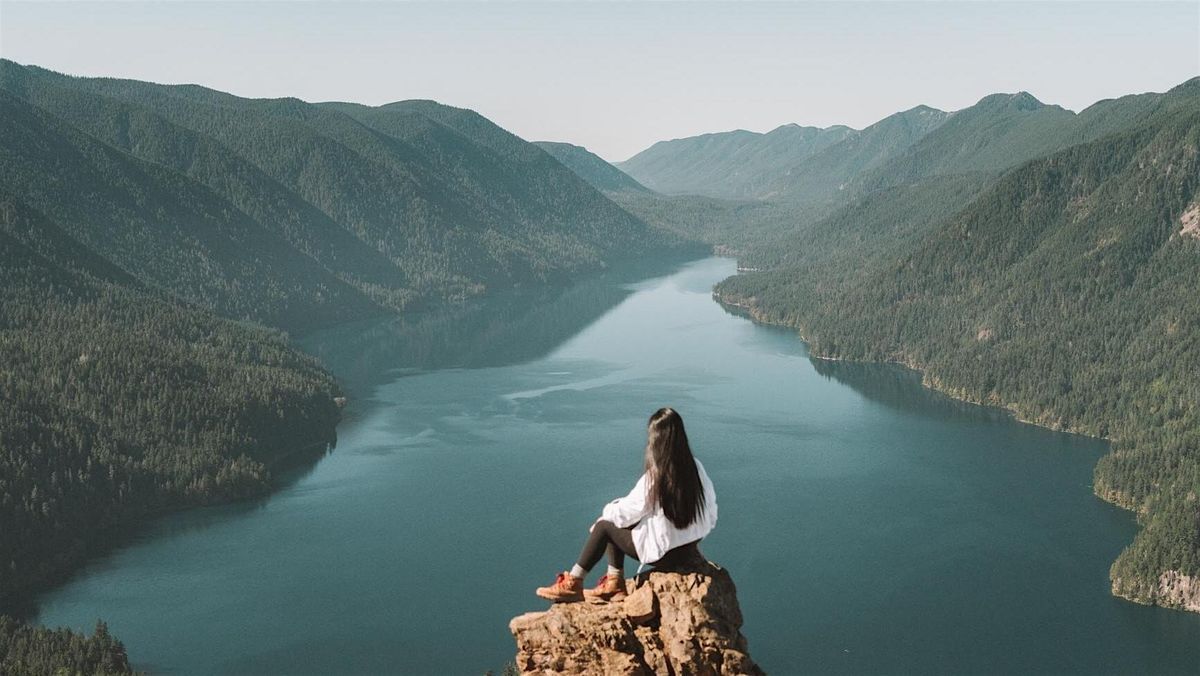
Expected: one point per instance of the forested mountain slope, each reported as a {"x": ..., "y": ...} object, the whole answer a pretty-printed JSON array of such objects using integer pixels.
[
  {"x": 399, "y": 203},
  {"x": 163, "y": 228},
  {"x": 117, "y": 401},
  {"x": 877, "y": 213},
  {"x": 731, "y": 165},
  {"x": 710, "y": 220},
  {"x": 829, "y": 174},
  {"x": 999, "y": 131},
  {"x": 1067, "y": 292},
  {"x": 852, "y": 238},
  {"x": 591, "y": 168},
  {"x": 929, "y": 162}
]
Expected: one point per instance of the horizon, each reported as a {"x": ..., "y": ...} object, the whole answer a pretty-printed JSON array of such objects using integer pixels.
[
  {"x": 665, "y": 140},
  {"x": 667, "y": 74}
]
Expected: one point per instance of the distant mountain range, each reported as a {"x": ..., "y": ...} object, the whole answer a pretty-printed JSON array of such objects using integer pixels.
[
  {"x": 339, "y": 210},
  {"x": 809, "y": 165},
  {"x": 690, "y": 217},
  {"x": 591, "y": 168},
  {"x": 730, "y": 165},
  {"x": 830, "y": 173}
]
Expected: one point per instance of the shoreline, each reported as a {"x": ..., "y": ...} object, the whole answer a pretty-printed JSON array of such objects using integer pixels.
[
  {"x": 1112, "y": 497},
  {"x": 24, "y": 605},
  {"x": 934, "y": 384}
]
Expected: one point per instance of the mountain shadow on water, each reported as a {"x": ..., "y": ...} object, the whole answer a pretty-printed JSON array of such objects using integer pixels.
[
  {"x": 286, "y": 471},
  {"x": 500, "y": 330},
  {"x": 900, "y": 388},
  {"x": 896, "y": 386}
]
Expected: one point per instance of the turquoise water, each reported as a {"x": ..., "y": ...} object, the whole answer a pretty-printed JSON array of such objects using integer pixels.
[{"x": 871, "y": 525}]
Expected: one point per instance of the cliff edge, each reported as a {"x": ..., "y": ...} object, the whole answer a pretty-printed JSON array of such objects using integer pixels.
[{"x": 681, "y": 619}]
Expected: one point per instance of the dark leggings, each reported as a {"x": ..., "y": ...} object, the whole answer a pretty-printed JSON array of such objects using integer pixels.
[{"x": 605, "y": 536}]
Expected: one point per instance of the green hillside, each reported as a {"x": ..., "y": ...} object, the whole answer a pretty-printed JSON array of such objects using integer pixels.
[
  {"x": 600, "y": 174},
  {"x": 710, "y": 220},
  {"x": 998, "y": 132},
  {"x": 163, "y": 228},
  {"x": 925, "y": 162},
  {"x": 375, "y": 207},
  {"x": 730, "y": 165},
  {"x": 830, "y": 174},
  {"x": 1067, "y": 292},
  {"x": 118, "y": 402}
]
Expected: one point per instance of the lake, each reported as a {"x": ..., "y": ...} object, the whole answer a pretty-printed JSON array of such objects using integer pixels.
[{"x": 871, "y": 525}]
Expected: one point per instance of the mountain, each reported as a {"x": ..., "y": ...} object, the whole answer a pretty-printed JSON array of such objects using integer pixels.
[
  {"x": 346, "y": 209},
  {"x": 591, "y": 168},
  {"x": 828, "y": 174},
  {"x": 921, "y": 164},
  {"x": 1065, "y": 290},
  {"x": 921, "y": 146},
  {"x": 998, "y": 132},
  {"x": 731, "y": 165},
  {"x": 843, "y": 241},
  {"x": 940, "y": 153},
  {"x": 692, "y": 217},
  {"x": 120, "y": 401},
  {"x": 162, "y": 228},
  {"x": 1002, "y": 131},
  {"x": 902, "y": 206}
]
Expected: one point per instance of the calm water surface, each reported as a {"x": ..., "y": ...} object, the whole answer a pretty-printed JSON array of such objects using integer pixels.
[{"x": 871, "y": 525}]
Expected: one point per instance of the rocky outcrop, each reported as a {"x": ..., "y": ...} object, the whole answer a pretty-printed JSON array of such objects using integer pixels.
[
  {"x": 679, "y": 619},
  {"x": 1190, "y": 220},
  {"x": 1176, "y": 590}
]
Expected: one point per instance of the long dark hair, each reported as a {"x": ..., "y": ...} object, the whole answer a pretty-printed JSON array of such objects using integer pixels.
[{"x": 674, "y": 479}]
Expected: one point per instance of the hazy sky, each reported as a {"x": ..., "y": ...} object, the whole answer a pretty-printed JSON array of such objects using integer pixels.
[{"x": 616, "y": 77}]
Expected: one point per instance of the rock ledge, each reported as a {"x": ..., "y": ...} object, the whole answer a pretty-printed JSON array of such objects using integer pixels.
[{"x": 682, "y": 619}]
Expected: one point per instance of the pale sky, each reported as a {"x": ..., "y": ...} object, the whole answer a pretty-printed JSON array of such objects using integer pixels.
[{"x": 616, "y": 77}]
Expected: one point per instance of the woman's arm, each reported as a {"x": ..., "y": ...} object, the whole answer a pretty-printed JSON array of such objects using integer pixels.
[{"x": 626, "y": 511}]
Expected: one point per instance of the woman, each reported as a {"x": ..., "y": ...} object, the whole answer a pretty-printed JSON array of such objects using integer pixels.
[{"x": 672, "y": 505}]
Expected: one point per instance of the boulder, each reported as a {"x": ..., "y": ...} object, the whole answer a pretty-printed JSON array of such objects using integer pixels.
[{"x": 682, "y": 618}]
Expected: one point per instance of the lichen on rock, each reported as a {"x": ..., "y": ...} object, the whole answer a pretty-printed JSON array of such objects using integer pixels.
[{"x": 678, "y": 619}]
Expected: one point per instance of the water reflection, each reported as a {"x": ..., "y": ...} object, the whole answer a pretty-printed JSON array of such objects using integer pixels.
[
  {"x": 506, "y": 328},
  {"x": 900, "y": 388},
  {"x": 893, "y": 385}
]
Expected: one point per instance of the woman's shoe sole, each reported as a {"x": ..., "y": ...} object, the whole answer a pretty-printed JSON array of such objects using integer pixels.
[{"x": 560, "y": 599}]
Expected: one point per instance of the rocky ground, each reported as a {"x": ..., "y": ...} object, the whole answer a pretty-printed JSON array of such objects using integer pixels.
[{"x": 681, "y": 620}]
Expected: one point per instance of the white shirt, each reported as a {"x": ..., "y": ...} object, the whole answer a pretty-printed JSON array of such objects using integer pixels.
[{"x": 654, "y": 534}]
